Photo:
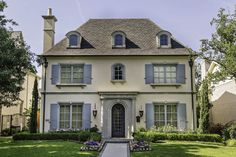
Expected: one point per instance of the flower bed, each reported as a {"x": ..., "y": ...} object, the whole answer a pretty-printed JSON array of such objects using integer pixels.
[
  {"x": 139, "y": 146},
  {"x": 90, "y": 146}
]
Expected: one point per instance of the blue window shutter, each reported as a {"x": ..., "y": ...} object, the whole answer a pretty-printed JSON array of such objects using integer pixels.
[
  {"x": 87, "y": 73},
  {"x": 149, "y": 115},
  {"x": 86, "y": 116},
  {"x": 113, "y": 72},
  {"x": 149, "y": 74},
  {"x": 54, "y": 117},
  {"x": 55, "y": 74},
  {"x": 123, "y": 72},
  {"x": 182, "y": 117},
  {"x": 180, "y": 73}
]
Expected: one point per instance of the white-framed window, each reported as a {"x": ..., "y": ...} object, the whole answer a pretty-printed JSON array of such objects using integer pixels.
[
  {"x": 70, "y": 116},
  {"x": 72, "y": 73},
  {"x": 73, "y": 39},
  {"x": 118, "y": 72},
  {"x": 118, "y": 39},
  {"x": 64, "y": 116},
  {"x": 164, "y": 73},
  {"x": 165, "y": 114},
  {"x": 163, "y": 39}
]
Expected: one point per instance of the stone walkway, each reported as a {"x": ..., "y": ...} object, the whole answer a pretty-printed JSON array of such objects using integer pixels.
[{"x": 116, "y": 150}]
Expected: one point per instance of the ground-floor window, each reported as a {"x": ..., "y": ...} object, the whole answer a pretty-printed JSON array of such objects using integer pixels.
[
  {"x": 70, "y": 116},
  {"x": 165, "y": 114}
]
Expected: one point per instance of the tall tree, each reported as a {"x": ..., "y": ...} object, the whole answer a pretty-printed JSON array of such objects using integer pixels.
[
  {"x": 33, "y": 114},
  {"x": 221, "y": 48},
  {"x": 204, "y": 106},
  {"x": 15, "y": 61}
]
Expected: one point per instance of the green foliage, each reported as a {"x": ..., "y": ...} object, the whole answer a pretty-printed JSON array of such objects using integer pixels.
[
  {"x": 167, "y": 129},
  {"x": 217, "y": 129},
  {"x": 230, "y": 132},
  {"x": 205, "y": 106},
  {"x": 15, "y": 61},
  {"x": 156, "y": 136},
  {"x": 94, "y": 129},
  {"x": 33, "y": 115},
  {"x": 81, "y": 136},
  {"x": 221, "y": 47},
  {"x": 9, "y": 132},
  {"x": 231, "y": 143}
]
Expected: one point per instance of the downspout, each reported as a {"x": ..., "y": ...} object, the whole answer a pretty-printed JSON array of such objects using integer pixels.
[
  {"x": 45, "y": 63},
  {"x": 192, "y": 92}
]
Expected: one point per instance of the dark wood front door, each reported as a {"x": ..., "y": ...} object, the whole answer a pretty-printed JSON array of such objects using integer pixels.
[{"x": 118, "y": 121}]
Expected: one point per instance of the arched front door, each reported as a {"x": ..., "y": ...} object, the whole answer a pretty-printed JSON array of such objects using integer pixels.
[{"x": 118, "y": 121}]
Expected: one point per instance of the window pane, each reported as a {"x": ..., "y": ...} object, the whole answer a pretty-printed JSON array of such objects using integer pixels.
[
  {"x": 118, "y": 71},
  {"x": 164, "y": 39},
  {"x": 65, "y": 73},
  {"x": 76, "y": 116},
  {"x": 64, "y": 116},
  {"x": 73, "y": 40},
  {"x": 118, "y": 40}
]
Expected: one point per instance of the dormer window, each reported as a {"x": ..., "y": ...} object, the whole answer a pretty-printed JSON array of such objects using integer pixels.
[
  {"x": 118, "y": 39},
  {"x": 73, "y": 39},
  {"x": 164, "y": 39}
]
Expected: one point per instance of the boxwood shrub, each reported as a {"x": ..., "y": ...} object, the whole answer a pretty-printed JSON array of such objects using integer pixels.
[
  {"x": 81, "y": 136},
  {"x": 156, "y": 136}
]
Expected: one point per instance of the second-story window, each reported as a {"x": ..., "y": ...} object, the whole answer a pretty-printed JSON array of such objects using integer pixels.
[
  {"x": 118, "y": 72},
  {"x": 72, "y": 73},
  {"x": 164, "y": 73}
]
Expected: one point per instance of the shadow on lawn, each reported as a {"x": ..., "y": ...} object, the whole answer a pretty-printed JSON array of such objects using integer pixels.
[{"x": 169, "y": 149}]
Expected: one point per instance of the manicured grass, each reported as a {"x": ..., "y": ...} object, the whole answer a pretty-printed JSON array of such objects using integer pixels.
[
  {"x": 9, "y": 148},
  {"x": 187, "y": 149}
]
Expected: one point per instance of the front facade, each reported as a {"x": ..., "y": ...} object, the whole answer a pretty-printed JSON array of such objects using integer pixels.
[{"x": 119, "y": 75}]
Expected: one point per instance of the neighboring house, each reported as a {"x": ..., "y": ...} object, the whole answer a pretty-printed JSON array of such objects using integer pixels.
[
  {"x": 117, "y": 74},
  {"x": 13, "y": 115},
  {"x": 223, "y": 97}
]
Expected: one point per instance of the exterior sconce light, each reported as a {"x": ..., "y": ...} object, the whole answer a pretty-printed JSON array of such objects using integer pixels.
[
  {"x": 95, "y": 112},
  {"x": 141, "y": 112}
]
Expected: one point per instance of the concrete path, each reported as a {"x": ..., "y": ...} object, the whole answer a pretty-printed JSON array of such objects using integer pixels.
[{"x": 116, "y": 150}]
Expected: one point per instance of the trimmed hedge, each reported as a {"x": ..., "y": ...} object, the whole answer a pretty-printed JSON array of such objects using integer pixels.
[
  {"x": 80, "y": 136},
  {"x": 155, "y": 136}
]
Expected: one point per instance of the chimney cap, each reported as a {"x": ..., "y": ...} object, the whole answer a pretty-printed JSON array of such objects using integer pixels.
[
  {"x": 49, "y": 15},
  {"x": 50, "y": 11}
]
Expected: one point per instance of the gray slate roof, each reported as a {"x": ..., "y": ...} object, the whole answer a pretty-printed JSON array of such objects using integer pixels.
[{"x": 96, "y": 39}]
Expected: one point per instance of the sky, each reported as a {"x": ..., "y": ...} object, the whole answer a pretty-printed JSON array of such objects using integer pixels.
[{"x": 187, "y": 20}]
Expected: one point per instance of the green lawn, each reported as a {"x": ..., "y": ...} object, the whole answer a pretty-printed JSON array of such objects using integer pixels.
[
  {"x": 9, "y": 148},
  {"x": 187, "y": 149}
]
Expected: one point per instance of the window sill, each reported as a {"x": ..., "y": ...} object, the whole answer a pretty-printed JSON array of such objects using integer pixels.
[
  {"x": 72, "y": 85},
  {"x": 73, "y": 47},
  {"x": 118, "y": 81},
  {"x": 165, "y": 84},
  {"x": 119, "y": 47}
]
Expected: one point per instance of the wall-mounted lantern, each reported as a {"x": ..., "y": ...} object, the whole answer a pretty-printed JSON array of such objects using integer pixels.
[
  {"x": 95, "y": 112},
  {"x": 141, "y": 112}
]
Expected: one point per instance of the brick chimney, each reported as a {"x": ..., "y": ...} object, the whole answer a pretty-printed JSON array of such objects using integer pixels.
[{"x": 49, "y": 30}]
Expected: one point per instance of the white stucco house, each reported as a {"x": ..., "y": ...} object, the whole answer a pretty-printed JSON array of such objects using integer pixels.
[
  {"x": 117, "y": 74},
  {"x": 223, "y": 96}
]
